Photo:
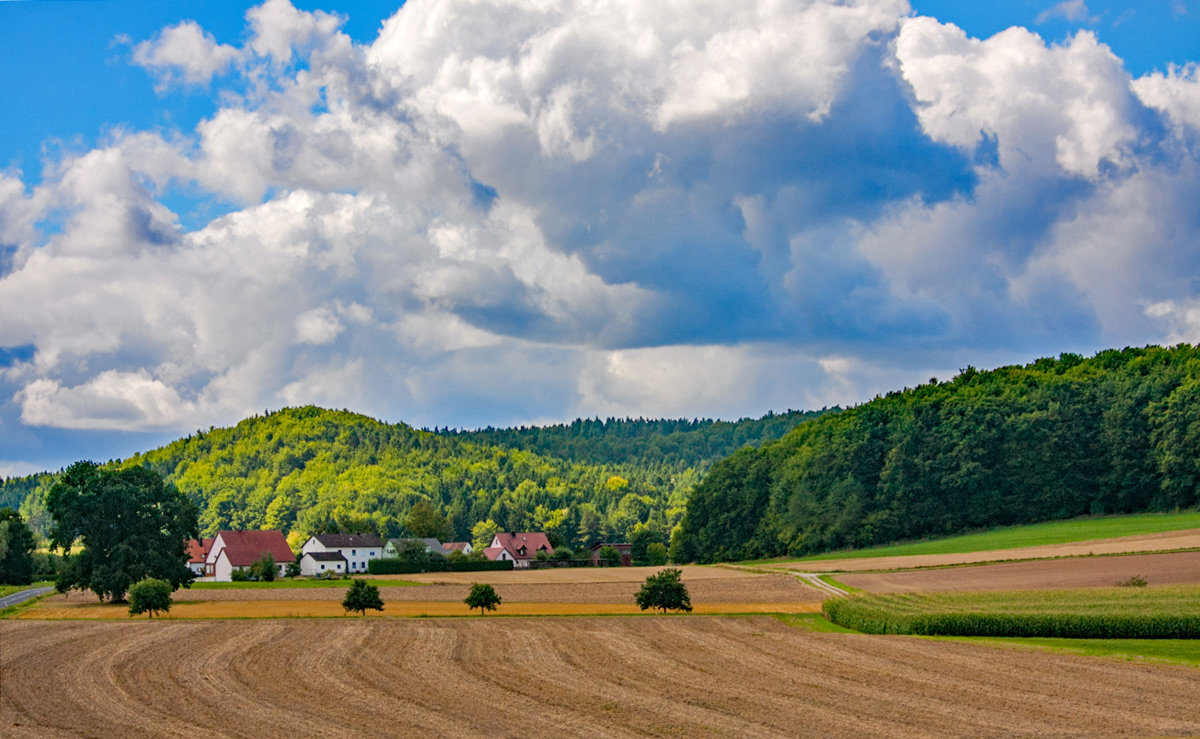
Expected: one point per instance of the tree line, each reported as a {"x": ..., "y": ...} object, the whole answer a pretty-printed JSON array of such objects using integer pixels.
[{"x": 1118, "y": 432}]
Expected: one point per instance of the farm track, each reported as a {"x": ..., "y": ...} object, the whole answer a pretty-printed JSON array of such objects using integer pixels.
[
  {"x": 748, "y": 676},
  {"x": 1175, "y": 568}
]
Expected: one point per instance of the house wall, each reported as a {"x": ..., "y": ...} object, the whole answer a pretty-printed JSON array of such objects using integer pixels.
[
  {"x": 309, "y": 567},
  {"x": 222, "y": 570}
]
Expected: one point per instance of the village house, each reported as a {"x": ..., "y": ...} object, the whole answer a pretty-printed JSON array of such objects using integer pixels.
[
  {"x": 356, "y": 549},
  {"x": 319, "y": 563},
  {"x": 392, "y": 549},
  {"x": 197, "y": 553},
  {"x": 625, "y": 550},
  {"x": 458, "y": 546},
  {"x": 238, "y": 550},
  {"x": 521, "y": 547}
]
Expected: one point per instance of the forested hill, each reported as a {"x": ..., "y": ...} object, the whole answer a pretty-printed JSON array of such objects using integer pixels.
[
  {"x": 1056, "y": 438},
  {"x": 672, "y": 442},
  {"x": 308, "y": 470}
]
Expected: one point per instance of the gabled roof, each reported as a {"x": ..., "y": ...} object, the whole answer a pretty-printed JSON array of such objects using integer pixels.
[
  {"x": 523, "y": 544},
  {"x": 343, "y": 541},
  {"x": 431, "y": 544},
  {"x": 198, "y": 550},
  {"x": 493, "y": 553},
  {"x": 325, "y": 556},
  {"x": 241, "y": 545},
  {"x": 459, "y": 546}
]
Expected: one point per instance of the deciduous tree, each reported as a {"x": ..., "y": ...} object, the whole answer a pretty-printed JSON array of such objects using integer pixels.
[
  {"x": 361, "y": 596},
  {"x": 665, "y": 591},
  {"x": 149, "y": 596},
  {"x": 132, "y": 526},
  {"x": 483, "y": 597}
]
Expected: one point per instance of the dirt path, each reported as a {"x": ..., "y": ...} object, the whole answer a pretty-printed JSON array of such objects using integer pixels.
[
  {"x": 1173, "y": 540},
  {"x": 1177, "y": 568},
  {"x": 685, "y": 676}
]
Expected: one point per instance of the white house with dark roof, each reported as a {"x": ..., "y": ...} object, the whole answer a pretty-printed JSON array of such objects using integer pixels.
[
  {"x": 356, "y": 549},
  {"x": 320, "y": 563}
]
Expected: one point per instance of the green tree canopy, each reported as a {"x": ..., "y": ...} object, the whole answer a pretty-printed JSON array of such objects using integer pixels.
[
  {"x": 483, "y": 597},
  {"x": 664, "y": 591},
  {"x": 16, "y": 549},
  {"x": 264, "y": 569},
  {"x": 423, "y": 521},
  {"x": 149, "y": 596},
  {"x": 132, "y": 526},
  {"x": 361, "y": 596},
  {"x": 609, "y": 557}
]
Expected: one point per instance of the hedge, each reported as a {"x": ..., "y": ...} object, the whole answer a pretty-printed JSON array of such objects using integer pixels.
[
  {"x": 861, "y": 614},
  {"x": 404, "y": 567}
]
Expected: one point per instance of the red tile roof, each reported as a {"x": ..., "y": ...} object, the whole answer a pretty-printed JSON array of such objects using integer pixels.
[
  {"x": 244, "y": 548},
  {"x": 198, "y": 550},
  {"x": 523, "y": 544},
  {"x": 451, "y": 546}
]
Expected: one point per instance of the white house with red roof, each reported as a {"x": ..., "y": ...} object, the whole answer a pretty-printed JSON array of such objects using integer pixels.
[
  {"x": 238, "y": 550},
  {"x": 521, "y": 547},
  {"x": 197, "y": 554},
  {"x": 356, "y": 549},
  {"x": 458, "y": 546}
]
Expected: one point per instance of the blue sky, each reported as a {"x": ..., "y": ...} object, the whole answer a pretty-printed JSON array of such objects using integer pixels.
[{"x": 471, "y": 212}]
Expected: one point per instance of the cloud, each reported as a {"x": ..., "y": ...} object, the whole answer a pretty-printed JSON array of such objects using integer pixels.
[
  {"x": 499, "y": 212},
  {"x": 1068, "y": 10},
  {"x": 184, "y": 52}
]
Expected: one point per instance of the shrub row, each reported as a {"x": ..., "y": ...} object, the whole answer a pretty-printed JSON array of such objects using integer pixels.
[
  {"x": 404, "y": 567},
  {"x": 862, "y": 614}
]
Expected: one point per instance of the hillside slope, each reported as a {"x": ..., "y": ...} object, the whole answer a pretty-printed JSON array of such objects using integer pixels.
[
  {"x": 309, "y": 469},
  {"x": 1119, "y": 432}
]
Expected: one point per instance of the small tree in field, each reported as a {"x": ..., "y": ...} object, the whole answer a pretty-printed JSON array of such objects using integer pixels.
[
  {"x": 483, "y": 597},
  {"x": 149, "y": 596},
  {"x": 361, "y": 596},
  {"x": 664, "y": 591}
]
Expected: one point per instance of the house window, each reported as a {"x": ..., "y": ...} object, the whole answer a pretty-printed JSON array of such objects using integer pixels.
[
  {"x": 353, "y": 551},
  {"x": 322, "y": 567}
]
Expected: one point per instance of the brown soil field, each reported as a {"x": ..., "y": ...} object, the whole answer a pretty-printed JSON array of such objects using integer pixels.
[
  {"x": 1176, "y": 568},
  {"x": 1164, "y": 542},
  {"x": 618, "y": 677},
  {"x": 691, "y": 573},
  {"x": 734, "y": 587},
  {"x": 397, "y": 609}
]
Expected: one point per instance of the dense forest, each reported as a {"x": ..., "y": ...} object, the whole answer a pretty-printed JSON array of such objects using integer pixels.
[
  {"x": 670, "y": 442},
  {"x": 308, "y": 470},
  {"x": 1056, "y": 438}
]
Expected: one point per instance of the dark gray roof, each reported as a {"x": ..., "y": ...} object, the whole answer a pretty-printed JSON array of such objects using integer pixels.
[
  {"x": 431, "y": 544},
  {"x": 326, "y": 556},
  {"x": 348, "y": 540}
]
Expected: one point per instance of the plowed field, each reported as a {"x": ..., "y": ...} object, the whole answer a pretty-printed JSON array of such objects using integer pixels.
[
  {"x": 1162, "y": 542},
  {"x": 563, "y": 677},
  {"x": 1177, "y": 568}
]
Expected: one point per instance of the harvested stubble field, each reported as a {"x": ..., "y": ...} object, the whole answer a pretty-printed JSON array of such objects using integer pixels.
[
  {"x": 748, "y": 676},
  {"x": 732, "y": 587},
  {"x": 1160, "y": 542},
  {"x": 1175, "y": 568}
]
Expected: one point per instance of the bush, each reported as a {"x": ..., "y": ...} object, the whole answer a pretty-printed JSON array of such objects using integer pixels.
[
  {"x": 1135, "y": 581},
  {"x": 656, "y": 554},
  {"x": 264, "y": 569},
  {"x": 466, "y": 564},
  {"x": 149, "y": 596},
  {"x": 609, "y": 557},
  {"x": 239, "y": 576}
]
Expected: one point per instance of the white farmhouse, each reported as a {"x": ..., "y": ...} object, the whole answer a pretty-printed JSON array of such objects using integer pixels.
[
  {"x": 238, "y": 550},
  {"x": 356, "y": 549},
  {"x": 320, "y": 563}
]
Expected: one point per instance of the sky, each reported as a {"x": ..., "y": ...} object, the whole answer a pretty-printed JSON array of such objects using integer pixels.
[{"x": 489, "y": 212}]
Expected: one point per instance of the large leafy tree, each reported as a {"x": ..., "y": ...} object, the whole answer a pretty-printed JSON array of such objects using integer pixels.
[
  {"x": 131, "y": 524},
  {"x": 16, "y": 549},
  {"x": 664, "y": 591},
  {"x": 361, "y": 596},
  {"x": 424, "y": 521}
]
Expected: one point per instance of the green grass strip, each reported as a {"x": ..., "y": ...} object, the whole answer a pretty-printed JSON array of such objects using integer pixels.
[{"x": 1174, "y": 651}]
